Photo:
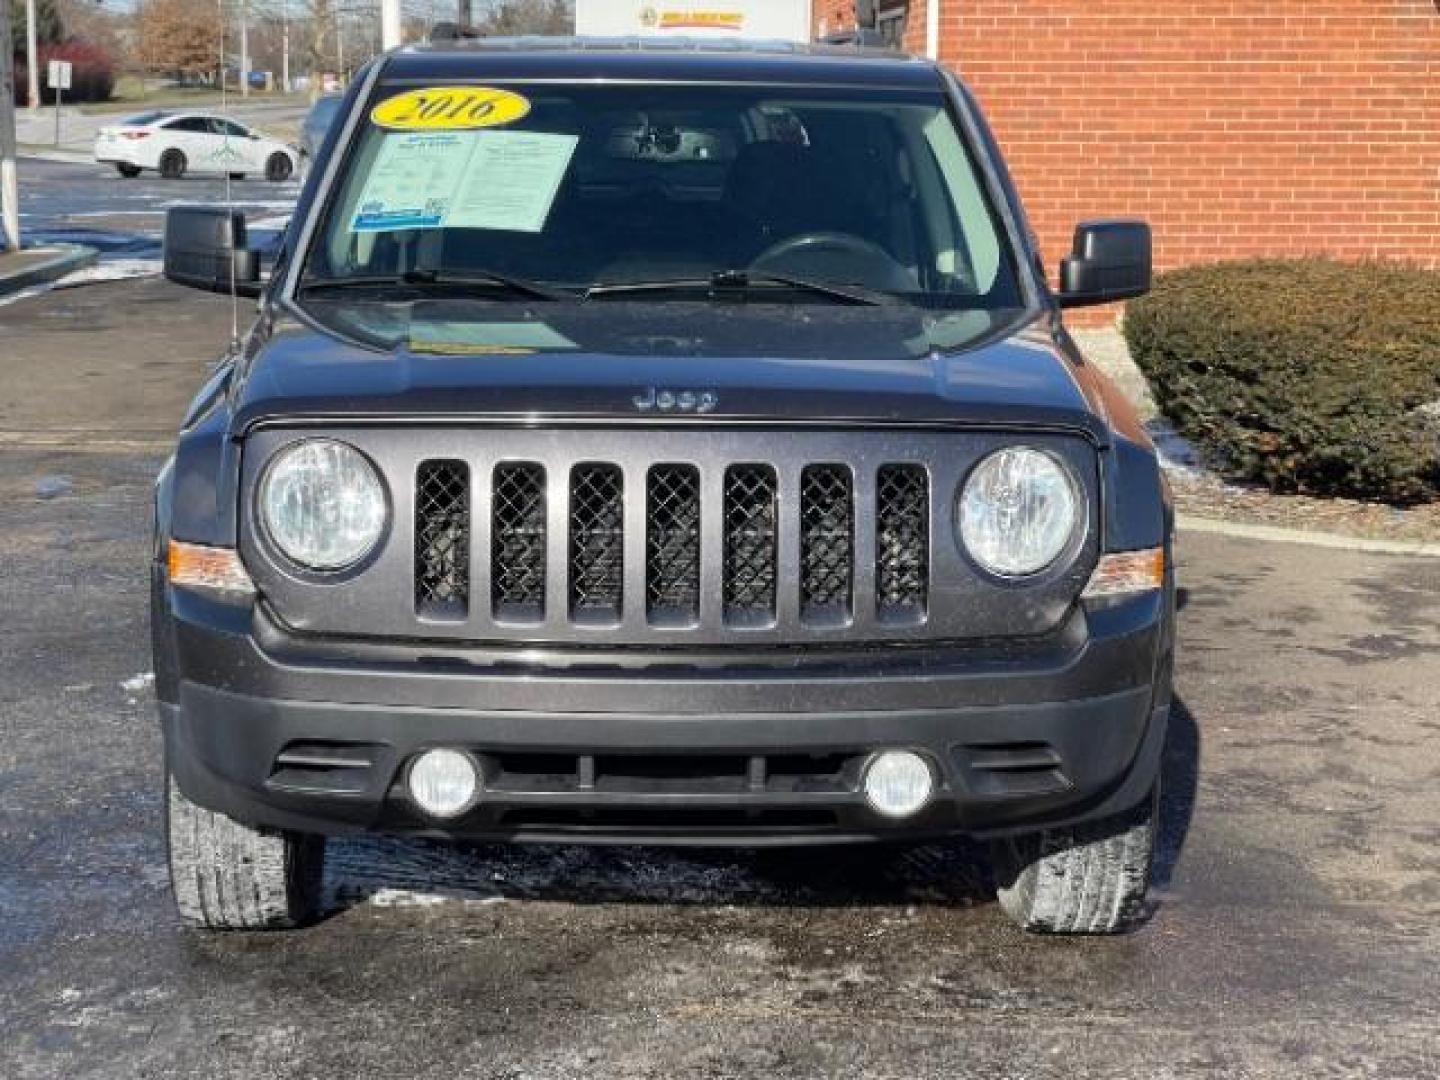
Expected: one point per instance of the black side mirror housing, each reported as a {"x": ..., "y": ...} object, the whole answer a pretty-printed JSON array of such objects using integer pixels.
[
  {"x": 1109, "y": 261},
  {"x": 207, "y": 248}
]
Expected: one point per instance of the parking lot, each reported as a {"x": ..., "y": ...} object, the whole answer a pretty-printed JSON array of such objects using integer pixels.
[{"x": 1295, "y": 930}]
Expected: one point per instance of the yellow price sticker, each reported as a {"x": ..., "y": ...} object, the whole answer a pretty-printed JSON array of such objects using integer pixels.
[{"x": 450, "y": 108}]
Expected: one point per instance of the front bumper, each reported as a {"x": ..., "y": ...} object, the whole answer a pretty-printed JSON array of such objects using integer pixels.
[
  {"x": 285, "y": 732},
  {"x": 114, "y": 153}
]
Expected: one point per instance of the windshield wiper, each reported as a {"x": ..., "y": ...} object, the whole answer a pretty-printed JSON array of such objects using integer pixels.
[
  {"x": 724, "y": 282},
  {"x": 486, "y": 279}
]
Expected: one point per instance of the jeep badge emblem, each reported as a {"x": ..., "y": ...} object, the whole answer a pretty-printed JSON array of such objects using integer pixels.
[{"x": 652, "y": 399}]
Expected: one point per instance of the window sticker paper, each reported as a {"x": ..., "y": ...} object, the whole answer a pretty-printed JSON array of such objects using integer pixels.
[
  {"x": 413, "y": 181},
  {"x": 499, "y": 180},
  {"x": 512, "y": 181}
]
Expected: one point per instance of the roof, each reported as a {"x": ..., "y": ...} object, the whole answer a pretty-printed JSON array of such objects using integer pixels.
[{"x": 720, "y": 60}]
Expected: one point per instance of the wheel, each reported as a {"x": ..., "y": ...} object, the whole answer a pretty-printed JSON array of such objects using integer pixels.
[
  {"x": 128, "y": 171},
  {"x": 1086, "y": 879},
  {"x": 228, "y": 876},
  {"x": 173, "y": 164},
  {"x": 278, "y": 168}
]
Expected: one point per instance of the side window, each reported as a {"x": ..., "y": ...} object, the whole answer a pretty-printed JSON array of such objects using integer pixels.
[
  {"x": 229, "y": 128},
  {"x": 189, "y": 125}
]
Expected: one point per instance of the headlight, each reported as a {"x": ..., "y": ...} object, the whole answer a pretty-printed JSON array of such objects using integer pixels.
[
  {"x": 322, "y": 504},
  {"x": 1018, "y": 512}
]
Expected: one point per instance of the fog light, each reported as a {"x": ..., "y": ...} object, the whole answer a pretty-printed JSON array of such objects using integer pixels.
[
  {"x": 898, "y": 783},
  {"x": 443, "y": 783}
]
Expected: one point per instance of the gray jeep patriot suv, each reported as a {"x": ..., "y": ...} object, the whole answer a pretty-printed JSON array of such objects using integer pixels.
[{"x": 661, "y": 444}]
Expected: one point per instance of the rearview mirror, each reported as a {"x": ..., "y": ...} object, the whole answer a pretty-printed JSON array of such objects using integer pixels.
[
  {"x": 207, "y": 248},
  {"x": 1109, "y": 261}
]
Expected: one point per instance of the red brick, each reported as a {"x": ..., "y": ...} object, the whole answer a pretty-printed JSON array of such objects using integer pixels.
[{"x": 1293, "y": 127}]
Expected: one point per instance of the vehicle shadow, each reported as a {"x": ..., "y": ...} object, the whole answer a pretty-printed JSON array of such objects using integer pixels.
[
  {"x": 954, "y": 873},
  {"x": 1179, "y": 781}
]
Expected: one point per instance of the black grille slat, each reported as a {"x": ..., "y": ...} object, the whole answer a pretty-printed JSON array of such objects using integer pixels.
[
  {"x": 902, "y": 542},
  {"x": 827, "y": 541},
  {"x": 750, "y": 544},
  {"x": 517, "y": 543},
  {"x": 672, "y": 544},
  {"x": 597, "y": 541},
  {"x": 442, "y": 538}
]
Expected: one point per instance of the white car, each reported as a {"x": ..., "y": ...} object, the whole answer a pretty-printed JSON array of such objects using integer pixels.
[{"x": 177, "y": 143}]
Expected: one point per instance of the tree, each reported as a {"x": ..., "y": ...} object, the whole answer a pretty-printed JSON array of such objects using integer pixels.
[
  {"x": 179, "y": 36},
  {"x": 530, "y": 17},
  {"x": 49, "y": 26},
  {"x": 322, "y": 22},
  {"x": 95, "y": 21}
]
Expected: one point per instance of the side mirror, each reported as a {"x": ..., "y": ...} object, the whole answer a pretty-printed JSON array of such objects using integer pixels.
[
  {"x": 207, "y": 248},
  {"x": 1110, "y": 261}
]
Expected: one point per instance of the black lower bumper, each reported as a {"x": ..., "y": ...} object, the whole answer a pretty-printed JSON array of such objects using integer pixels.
[{"x": 280, "y": 735}]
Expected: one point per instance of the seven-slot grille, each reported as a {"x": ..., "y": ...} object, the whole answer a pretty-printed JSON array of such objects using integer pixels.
[
  {"x": 750, "y": 544},
  {"x": 597, "y": 542},
  {"x": 517, "y": 541},
  {"x": 749, "y": 514},
  {"x": 442, "y": 537},
  {"x": 827, "y": 542},
  {"x": 902, "y": 541},
  {"x": 672, "y": 545}
]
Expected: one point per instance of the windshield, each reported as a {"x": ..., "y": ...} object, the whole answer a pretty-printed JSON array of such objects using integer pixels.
[{"x": 594, "y": 187}]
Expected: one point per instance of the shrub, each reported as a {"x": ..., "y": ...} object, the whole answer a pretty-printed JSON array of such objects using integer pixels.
[
  {"x": 1306, "y": 375},
  {"x": 93, "y": 77}
]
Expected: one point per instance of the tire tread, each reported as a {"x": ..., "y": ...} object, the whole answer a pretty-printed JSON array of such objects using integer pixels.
[
  {"x": 229, "y": 876},
  {"x": 1084, "y": 879}
]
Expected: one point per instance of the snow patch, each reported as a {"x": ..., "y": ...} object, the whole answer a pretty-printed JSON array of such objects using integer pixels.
[
  {"x": 52, "y": 487},
  {"x": 404, "y": 898},
  {"x": 137, "y": 683},
  {"x": 112, "y": 270},
  {"x": 1177, "y": 453}
]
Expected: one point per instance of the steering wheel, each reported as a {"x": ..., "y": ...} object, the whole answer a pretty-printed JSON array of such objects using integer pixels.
[{"x": 836, "y": 256}]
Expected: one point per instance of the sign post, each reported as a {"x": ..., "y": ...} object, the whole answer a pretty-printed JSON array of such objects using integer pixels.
[
  {"x": 32, "y": 65},
  {"x": 392, "y": 25},
  {"x": 60, "y": 75},
  {"x": 9, "y": 179}
]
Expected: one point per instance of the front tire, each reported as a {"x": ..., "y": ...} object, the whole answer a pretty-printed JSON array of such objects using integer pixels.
[
  {"x": 278, "y": 168},
  {"x": 129, "y": 172},
  {"x": 229, "y": 876},
  {"x": 173, "y": 164},
  {"x": 1084, "y": 879}
]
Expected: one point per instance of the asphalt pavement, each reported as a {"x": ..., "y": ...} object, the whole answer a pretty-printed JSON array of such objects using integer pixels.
[
  {"x": 86, "y": 203},
  {"x": 1296, "y": 929}
]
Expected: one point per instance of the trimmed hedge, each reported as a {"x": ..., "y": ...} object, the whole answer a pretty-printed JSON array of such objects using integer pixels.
[{"x": 1306, "y": 375}]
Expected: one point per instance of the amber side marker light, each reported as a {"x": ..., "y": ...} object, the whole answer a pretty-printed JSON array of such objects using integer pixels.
[
  {"x": 1124, "y": 573},
  {"x": 196, "y": 566}
]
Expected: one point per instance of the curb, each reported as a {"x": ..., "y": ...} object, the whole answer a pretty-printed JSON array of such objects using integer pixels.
[
  {"x": 64, "y": 157},
  {"x": 87, "y": 441},
  {"x": 68, "y": 257},
  {"x": 1426, "y": 549}
]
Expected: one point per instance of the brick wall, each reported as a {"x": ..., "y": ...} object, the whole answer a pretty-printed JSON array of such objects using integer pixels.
[{"x": 1237, "y": 127}]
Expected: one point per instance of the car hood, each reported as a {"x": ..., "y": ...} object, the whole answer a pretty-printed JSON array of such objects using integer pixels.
[{"x": 615, "y": 362}]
